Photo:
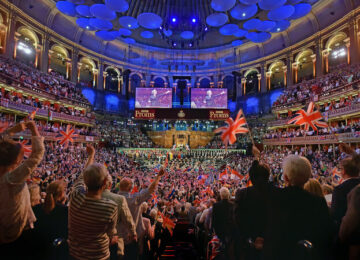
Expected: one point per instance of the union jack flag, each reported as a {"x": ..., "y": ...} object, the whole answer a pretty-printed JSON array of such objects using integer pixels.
[
  {"x": 26, "y": 147},
  {"x": 309, "y": 118},
  {"x": 67, "y": 136},
  {"x": 215, "y": 245},
  {"x": 228, "y": 133},
  {"x": 336, "y": 174},
  {"x": 154, "y": 198},
  {"x": 134, "y": 190},
  {"x": 168, "y": 224}
]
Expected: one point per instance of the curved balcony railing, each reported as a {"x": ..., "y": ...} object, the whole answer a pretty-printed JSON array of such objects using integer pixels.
[
  {"x": 44, "y": 112},
  {"x": 354, "y": 108},
  {"x": 318, "y": 139},
  {"x": 50, "y": 136},
  {"x": 333, "y": 93},
  {"x": 31, "y": 89}
]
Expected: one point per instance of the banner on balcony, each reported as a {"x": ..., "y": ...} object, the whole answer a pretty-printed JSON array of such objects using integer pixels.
[
  {"x": 89, "y": 138},
  {"x": 4, "y": 102},
  {"x": 182, "y": 114}
]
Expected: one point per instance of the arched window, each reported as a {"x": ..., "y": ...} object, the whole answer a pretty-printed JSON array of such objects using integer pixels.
[
  {"x": 159, "y": 82},
  {"x": 112, "y": 79},
  {"x": 305, "y": 65},
  {"x": 228, "y": 83},
  {"x": 205, "y": 83},
  {"x": 277, "y": 75},
  {"x": 26, "y": 46},
  {"x": 337, "y": 50},
  {"x": 87, "y": 70},
  {"x": 58, "y": 60},
  {"x": 252, "y": 82}
]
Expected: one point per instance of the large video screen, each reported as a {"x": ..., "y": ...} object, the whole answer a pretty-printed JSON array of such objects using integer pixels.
[
  {"x": 209, "y": 98},
  {"x": 153, "y": 98}
]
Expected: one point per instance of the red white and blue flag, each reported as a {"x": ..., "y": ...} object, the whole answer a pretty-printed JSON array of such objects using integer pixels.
[
  {"x": 309, "y": 118},
  {"x": 26, "y": 147},
  {"x": 67, "y": 136}
]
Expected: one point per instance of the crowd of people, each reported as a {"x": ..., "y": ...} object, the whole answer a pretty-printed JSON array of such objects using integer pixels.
[
  {"x": 90, "y": 203},
  {"x": 307, "y": 90},
  {"x": 18, "y": 73}
]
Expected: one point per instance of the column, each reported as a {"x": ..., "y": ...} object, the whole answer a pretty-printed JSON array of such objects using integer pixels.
[
  {"x": 102, "y": 83},
  {"x": 289, "y": 72},
  {"x": 348, "y": 50},
  {"x": 15, "y": 44},
  {"x": 101, "y": 76},
  {"x": 262, "y": 88},
  {"x": 3, "y": 30},
  {"x": 243, "y": 83},
  {"x": 119, "y": 84},
  {"x": 68, "y": 68},
  {"x": 50, "y": 52},
  {"x": 95, "y": 76},
  {"x": 313, "y": 58},
  {"x": 354, "y": 40},
  {"x": 38, "y": 56},
  {"x": 10, "y": 43},
  {"x": 325, "y": 54},
  {"x": 78, "y": 72},
  {"x": 319, "y": 59},
  {"x": 268, "y": 80},
  {"x": 295, "y": 68},
  {"x": 148, "y": 79},
  {"x": 45, "y": 61},
  {"x": 285, "y": 75},
  {"x": 74, "y": 65}
]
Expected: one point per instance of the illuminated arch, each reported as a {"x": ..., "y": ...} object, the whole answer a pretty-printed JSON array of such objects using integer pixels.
[
  {"x": 30, "y": 34},
  {"x": 116, "y": 69},
  {"x": 60, "y": 49},
  {"x": 302, "y": 54},
  {"x": 275, "y": 64},
  {"x": 251, "y": 70},
  {"x": 88, "y": 61},
  {"x": 136, "y": 73},
  {"x": 337, "y": 37}
]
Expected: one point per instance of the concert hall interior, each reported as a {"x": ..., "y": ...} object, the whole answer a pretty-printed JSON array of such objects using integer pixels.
[{"x": 180, "y": 129}]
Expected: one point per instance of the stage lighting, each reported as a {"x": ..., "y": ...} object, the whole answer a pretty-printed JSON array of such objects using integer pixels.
[
  {"x": 190, "y": 44},
  {"x": 194, "y": 20},
  {"x": 173, "y": 20},
  {"x": 206, "y": 29}
]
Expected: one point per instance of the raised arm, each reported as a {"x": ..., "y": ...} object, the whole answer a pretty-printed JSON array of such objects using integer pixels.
[
  {"x": 155, "y": 183},
  {"x": 22, "y": 172},
  {"x": 91, "y": 155},
  {"x": 79, "y": 184}
]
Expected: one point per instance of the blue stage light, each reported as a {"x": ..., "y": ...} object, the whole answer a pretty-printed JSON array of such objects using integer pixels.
[
  {"x": 173, "y": 20},
  {"x": 194, "y": 20}
]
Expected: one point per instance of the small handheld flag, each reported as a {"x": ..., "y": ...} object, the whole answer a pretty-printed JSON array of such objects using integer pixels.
[
  {"x": 67, "y": 136},
  {"x": 32, "y": 115},
  {"x": 26, "y": 147}
]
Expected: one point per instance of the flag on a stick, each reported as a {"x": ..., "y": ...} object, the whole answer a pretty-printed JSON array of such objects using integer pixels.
[{"x": 309, "y": 118}]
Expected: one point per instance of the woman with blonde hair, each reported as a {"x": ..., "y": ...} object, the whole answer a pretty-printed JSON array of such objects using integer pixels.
[{"x": 314, "y": 187}]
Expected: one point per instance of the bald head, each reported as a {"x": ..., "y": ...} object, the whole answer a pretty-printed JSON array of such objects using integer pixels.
[{"x": 297, "y": 170}]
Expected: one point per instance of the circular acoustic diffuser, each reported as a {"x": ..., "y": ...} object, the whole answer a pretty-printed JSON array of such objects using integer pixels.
[
  {"x": 187, "y": 35},
  {"x": 147, "y": 34},
  {"x": 301, "y": 10},
  {"x": 168, "y": 32},
  {"x": 66, "y": 8},
  {"x": 83, "y": 10},
  {"x": 249, "y": 2},
  {"x": 149, "y": 20},
  {"x": 107, "y": 35},
  {"x": 128, "y": 22},
  {"x": 293, "y": 2},
  {"x": 102, "y": 12},
  {"x": 85, "y": 24},
  {"x": 221, "y": 5},
  {"x": 281, "y": 26},
  {"x": 237, "y": 43},
  {"x": 281, "y": 13},
  {"x": 266, "y": 26},
  {"x": 100, "y": 24},
  {"x": 77, "y": 2},
  {"x": 240, "y": 33},
  {"x": 217, "y": 19},
  {"x": 243, "y": 12},
  {"x": 252, "y": 24},
  {"x": 229, "y": 29},
  {"x": 258, "y": 37},
  {"x": 117, "y": 5},
  {"x": 129, "y": 40},
  {"x": 124, "y": 32},
  {"x": 271, "y": 4}
]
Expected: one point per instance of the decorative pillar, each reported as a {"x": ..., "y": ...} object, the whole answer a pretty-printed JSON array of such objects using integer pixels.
[
  {"x": 319, "y": 58},
  {"x": 220, "y": 84},
  {"x": 353, "y": 49},
  {"x": 313, "y": 58},
  {"x": 101, "y": 77},
  {"x": 268, "y": 80},
  {"x": 262, "y": 79},
  {"x": 119, "y": 84},
  {"x": 243, "y": 83},
  {"x": 148, "y": 79},
  {"x": 295, "y": 66},
  {"x": 45, "y": 58},
  {"x": 95, "y": 76},
  {"x": 326, "y": 60},
  {"x": 347, "y": 44},
  {"x": 211, "y": 84},
  {"x": 37, "y": 55},
  {"x": 104, "y": 75},
  {"x": 10, "y": 43},
  {"x": 152, "y": 83},
  {"x": 74, "y": 65},
  {"x": 16, "y": 41},
  {"x": 78, "y": 71},
  {"x": 68, "y": 68},
  {"x": 143, "y": 83},
  {"x": 285, "y": 75},
  {"x": 289, "y": 72},
  {"x": 50, "y": 52},
  {"x": 3, "y": 30}
]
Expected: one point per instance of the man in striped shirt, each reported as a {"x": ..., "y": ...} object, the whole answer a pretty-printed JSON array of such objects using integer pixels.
[{"x": 92, "y": 219}]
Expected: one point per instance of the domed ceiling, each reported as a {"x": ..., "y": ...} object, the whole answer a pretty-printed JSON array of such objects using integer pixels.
[{"x": 185, "y": 24}]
